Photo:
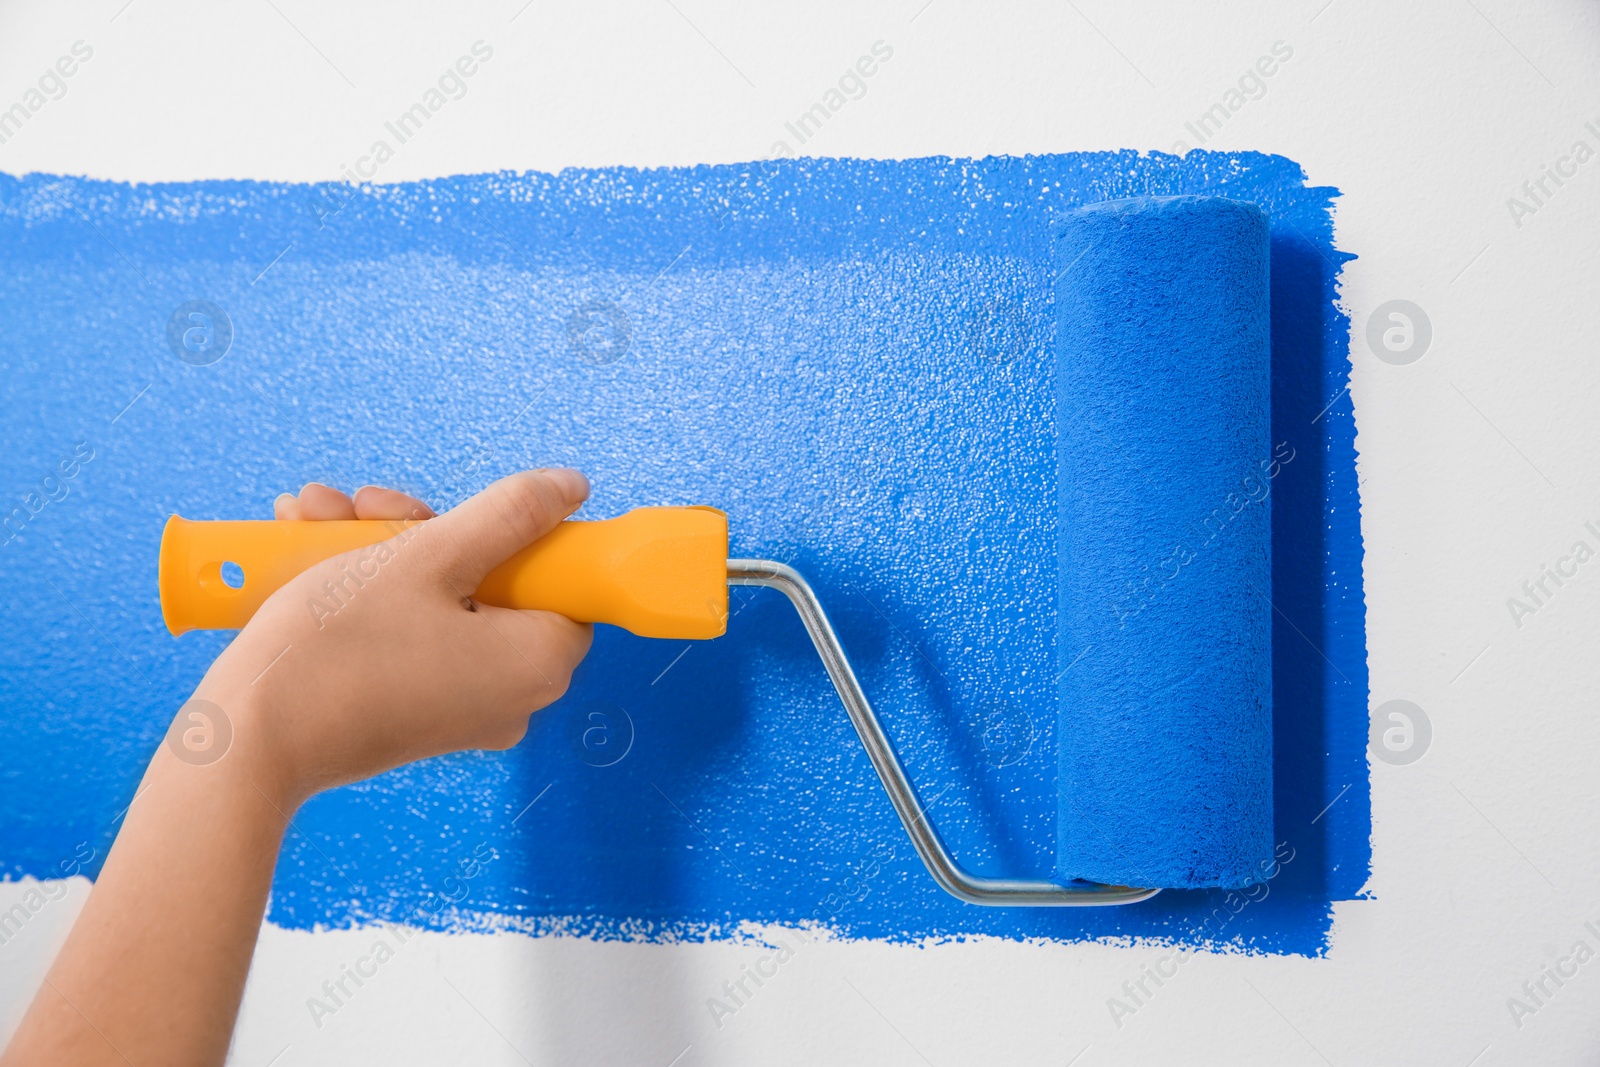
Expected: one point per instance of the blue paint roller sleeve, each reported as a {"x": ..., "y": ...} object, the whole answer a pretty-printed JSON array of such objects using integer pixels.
[{"x": 1163, "y": 350}]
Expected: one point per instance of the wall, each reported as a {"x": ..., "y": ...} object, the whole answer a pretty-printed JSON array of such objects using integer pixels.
[{"x": 1444, "y": 550}]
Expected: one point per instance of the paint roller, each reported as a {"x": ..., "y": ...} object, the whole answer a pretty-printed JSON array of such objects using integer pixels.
[{"x": 1165, "y": 733}]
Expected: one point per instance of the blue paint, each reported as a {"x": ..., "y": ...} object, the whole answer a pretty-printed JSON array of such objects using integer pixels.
[
  {"x": 1163, "y": 405},
  {"x": 853, "y": 358}
]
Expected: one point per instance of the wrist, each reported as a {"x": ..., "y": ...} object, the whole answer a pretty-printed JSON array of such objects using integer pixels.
[{"x": 228, "y": 732}]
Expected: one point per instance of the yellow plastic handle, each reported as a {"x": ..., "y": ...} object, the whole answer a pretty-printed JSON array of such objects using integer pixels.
[{"x": 658, "y": 572}]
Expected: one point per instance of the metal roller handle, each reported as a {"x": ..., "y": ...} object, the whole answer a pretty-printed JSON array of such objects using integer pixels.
[{"x": 950, "y": 875}]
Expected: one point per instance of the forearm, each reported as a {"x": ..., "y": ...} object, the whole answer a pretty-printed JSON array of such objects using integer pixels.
[{"x": 155, "y": 966}]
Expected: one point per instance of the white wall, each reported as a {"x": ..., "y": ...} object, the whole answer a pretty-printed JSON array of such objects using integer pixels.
[{"x": 1475, "y": 460}]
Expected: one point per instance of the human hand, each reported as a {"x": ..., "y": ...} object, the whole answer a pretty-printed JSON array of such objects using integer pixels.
[
  {"x": 380, "y": 657},
  {"x": 400, "y": 664}
]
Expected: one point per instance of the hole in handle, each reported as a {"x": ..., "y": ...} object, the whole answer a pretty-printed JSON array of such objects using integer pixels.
[{"x": 220, "y": 579}]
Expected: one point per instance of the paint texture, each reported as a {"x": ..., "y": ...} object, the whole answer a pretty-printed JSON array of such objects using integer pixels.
[
  {"x": 1163, "y": 407},
  {"x": 855, "y": 359}
]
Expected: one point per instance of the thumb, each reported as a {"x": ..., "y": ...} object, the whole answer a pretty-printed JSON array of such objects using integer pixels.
[{"x": 483, "y": 531}]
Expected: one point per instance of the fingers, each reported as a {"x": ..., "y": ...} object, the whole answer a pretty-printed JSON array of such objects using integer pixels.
[
  {"x": 540, "y": 651},
  {"x": 318, "y": 501},
  {"x": 375, "y": 502},
  {"x": 554, "y": 642},
  {"x": 479, "y": 534}
]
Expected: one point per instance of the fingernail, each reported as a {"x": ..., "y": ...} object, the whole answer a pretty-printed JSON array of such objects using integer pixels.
[{"x": 574, "y": 486}]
